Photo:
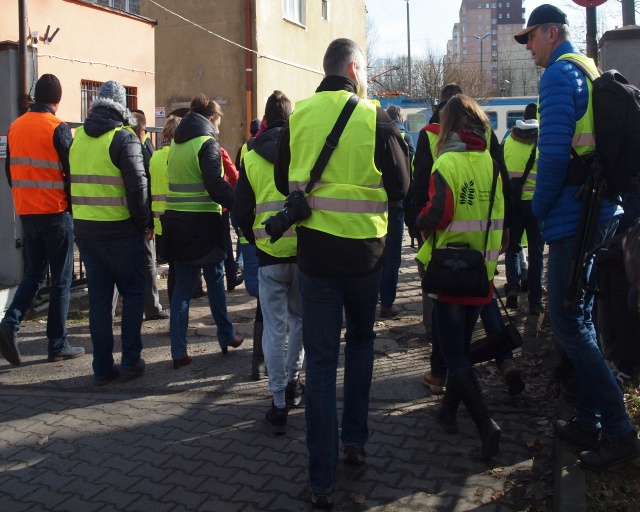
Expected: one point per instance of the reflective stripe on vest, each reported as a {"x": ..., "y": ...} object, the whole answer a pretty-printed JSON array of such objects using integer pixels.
[
  {"x": 97, "y": 188},
  {"x": 37, "y": 179},
  {"x": 516, "y": 156},
  {"x": 466, "y": 172},
  {"x": 350, "y": 202},
  {"x": 584, "y": 140},
  {"x": 187, "y": 192},
  {"x": 269, "y": 201}
]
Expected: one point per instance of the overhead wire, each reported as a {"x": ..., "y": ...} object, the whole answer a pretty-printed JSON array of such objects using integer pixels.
[{"x": 255, "y": 52}]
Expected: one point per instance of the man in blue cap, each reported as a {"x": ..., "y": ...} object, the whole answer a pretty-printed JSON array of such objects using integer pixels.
[{"x": 601, "y": 426}]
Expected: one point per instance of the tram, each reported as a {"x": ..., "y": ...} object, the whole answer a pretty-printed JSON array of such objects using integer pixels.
[{"x": 503, "y": 112}]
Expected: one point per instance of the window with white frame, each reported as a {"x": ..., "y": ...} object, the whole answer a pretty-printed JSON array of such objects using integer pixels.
[
  {"x": 464, "y": 39},
  {"x": 325, "y": 10},
  {"x": 479, "y": 6},
  {"x": 500, "y": 16},
  {"x": 494, "y": 54},
  {"x": 494, "y": 64},
  {"x": 508, "y": 15},
  {"x": 132, "y": 6},
  {"x": 494, "y": 74},
  {"x": 294, "y": 10}
]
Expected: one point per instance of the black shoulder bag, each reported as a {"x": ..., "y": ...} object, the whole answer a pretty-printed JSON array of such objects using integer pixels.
[
  {"x": 456, "y": 270},
  {"x": 296, "y": 207},
  {"x": 331, "y": 142},
  {"x": 517, "y": 184}
]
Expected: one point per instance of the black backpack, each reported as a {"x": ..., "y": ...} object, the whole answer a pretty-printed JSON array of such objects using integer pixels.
[{"x": 616, "y": 111}]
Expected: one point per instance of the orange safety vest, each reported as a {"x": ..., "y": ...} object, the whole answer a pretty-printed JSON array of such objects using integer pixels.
[{"x": 37, "y": 179}]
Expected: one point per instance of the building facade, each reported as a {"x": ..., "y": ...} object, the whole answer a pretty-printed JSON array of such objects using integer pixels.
[
  {"x": 84, "y": 44},
  {"x": 239, "y": 52},
  {"x": 483, "y": 40}
]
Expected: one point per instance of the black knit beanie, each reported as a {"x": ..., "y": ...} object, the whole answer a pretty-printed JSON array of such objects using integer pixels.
[{"x": 48, "y": 89}]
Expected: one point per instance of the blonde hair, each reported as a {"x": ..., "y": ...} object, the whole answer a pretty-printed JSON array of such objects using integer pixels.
[
  {"x": 169, "y": 130},
  {"x": 460, "y": 112}
]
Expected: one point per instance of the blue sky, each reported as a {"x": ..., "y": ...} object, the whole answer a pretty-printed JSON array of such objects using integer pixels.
[{"x": 432, "y": 21}]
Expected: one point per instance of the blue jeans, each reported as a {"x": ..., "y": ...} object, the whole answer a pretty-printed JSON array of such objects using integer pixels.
[
  {"x": 281, "y": 311},
  {"x": 600, "y": 401},
  {"x": 454, "y": 325},
  {"x": 48, "y": 240},
  {"x": 186, "y": 279},
  {"x": 395, "y": 235},
  {"x": 323, "y": 302},
  {"x": 119, "y": 262},
  {"x": 525, "y": 221}
]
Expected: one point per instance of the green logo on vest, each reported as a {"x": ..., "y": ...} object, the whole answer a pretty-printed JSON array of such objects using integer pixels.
[{"x": 468, "y": 193}]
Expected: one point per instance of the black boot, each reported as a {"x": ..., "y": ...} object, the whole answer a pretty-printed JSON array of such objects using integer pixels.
[
  {"x": 447, "y": 415},
  {"x": 467, "y": 384},
  {"x": 258, "y": 367}
]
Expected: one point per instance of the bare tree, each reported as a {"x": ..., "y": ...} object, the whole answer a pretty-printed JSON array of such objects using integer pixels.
[{"x": 372, "y": 39}]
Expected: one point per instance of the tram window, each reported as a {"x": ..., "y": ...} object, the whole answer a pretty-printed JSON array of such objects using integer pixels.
[
  {"x": 415, "y": 122},
  {"x": 493, "y": 119},
  {"x": 513, "y": 116}
]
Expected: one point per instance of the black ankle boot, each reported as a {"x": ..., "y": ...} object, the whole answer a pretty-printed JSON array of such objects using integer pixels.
[
  {"x": 467, "y": 384},
  {"x": 258, "y": 367},
  {"x": 447, "y": 415}
]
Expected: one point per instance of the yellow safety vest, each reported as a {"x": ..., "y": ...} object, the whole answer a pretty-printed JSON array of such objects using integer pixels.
[
  {"x": 187, "y": 192},
  {"x": 584, "y": 140},
  {"x": 349, "y": 201},
  {"x": 516, "y": 156},
  {"x": 159, "y": 185},
  {"x": 97, "y": 187},
  {"x": 268, "y": 202},
  {"x": 469, "y": 175}
]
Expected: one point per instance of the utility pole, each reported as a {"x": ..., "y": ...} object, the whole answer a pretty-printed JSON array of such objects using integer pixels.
[
  {"x": 592, "y": 28},
  {"x": 481, "y": 39},
  {"x": 628, "y": 13},
  {"x": 409, "y": 50}
]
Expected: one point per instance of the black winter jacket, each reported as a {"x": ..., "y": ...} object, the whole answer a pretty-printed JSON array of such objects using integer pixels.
[
  {"x": 125, "y": 152},
  {"x": 199, "y": 237}
]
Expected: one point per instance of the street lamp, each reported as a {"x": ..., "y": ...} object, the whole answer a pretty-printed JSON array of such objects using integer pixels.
[
  {"x": 481, "y": 38},
  {"x": 409, "y": 50}
]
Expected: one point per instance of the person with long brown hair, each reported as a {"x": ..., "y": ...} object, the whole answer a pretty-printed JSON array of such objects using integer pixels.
[
  {"x": 192, "y": 224},
  {"x": 465, "y": 208}
]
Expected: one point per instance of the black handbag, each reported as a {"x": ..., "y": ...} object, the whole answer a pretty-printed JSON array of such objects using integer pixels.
[
  {"x": 456, "y": 270},
  {"x": 493, "y": 346}
]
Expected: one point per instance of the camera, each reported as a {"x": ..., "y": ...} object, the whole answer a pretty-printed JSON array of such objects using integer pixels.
[{"x": 295, "y": 209}]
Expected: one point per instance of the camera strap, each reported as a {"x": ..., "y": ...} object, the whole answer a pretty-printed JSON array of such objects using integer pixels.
[{"x": 331, "y": 142}]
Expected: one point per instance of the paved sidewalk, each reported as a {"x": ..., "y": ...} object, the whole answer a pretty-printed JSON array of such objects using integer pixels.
[{"x": 195, "y": 439}]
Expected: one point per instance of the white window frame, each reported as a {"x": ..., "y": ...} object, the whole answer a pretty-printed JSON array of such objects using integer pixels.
[
  {"x": 295, "y": 11},
  {"x": 110, "y": 3},
  {"x": 325, "y": 10}
]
